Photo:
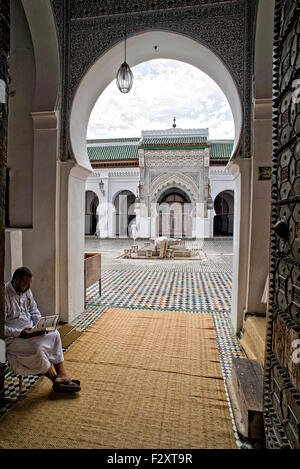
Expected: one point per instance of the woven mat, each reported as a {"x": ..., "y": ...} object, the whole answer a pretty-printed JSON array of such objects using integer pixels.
[{"x": 150, "y": 379}]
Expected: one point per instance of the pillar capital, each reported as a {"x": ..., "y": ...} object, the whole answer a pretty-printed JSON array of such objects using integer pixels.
[
  {"x": 45, "y": 120},
  {"x": 262, "y": 109}
]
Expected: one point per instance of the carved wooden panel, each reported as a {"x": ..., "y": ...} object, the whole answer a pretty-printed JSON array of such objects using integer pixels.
[
  {"x": 282, "y": 380},
  {"x": 4, "y": 81}
]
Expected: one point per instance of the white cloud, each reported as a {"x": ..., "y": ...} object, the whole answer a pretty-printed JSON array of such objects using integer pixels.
[{"x": 161, "y": 90}]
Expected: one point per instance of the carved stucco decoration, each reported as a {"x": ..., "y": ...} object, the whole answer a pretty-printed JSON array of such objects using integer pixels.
[
  {"x": 87, "y": 29},
  {"x": 124, "y": 173},
  {"x": 84, "y": 8},
  {"x": 168, "y": 180},
  {"x": 91, "y": 38},
  {"x": 174, "y": 158},
  {"x": 194, "y": 175}
]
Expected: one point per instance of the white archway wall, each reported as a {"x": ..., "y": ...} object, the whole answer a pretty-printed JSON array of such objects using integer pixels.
[
  {"x": 260, "y": 192},
  {"x": 263, "y": 50},
  {"x": 228, "y": 196},
  {"x": 90, "y": 196},
  {"x": 140, "y": 49},
  {"x": 20, "y": 128},
  {"x": 33, "y": 137},
  {"x": 220, "y": 180},
  {"x": 116, "y": 194},
  {"x": 47, "y": 62}
]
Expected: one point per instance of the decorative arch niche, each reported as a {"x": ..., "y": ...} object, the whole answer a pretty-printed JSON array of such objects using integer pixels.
[{"x": 165, "y": 181}]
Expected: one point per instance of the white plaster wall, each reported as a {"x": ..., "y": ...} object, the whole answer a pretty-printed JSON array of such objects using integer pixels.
[
  {"x": 13, "y": 252},
  {"x": 43, "y": 31},
  {"x": 117, "y": 186},
  {"x": 260, "y": 192},
  {"x": 20, "y": 140},
  {"x": 33, "y": 144},
  {"x": 241, "y": 172},
  {"x": 39, "y": 243},
  {"x": 219, "y": 182},
  {"x": 260, "y": 209},
  {"x": 252, "y": 197},
  {"x": 76, "y": 212},
  {"x": 93, "y": 185}
]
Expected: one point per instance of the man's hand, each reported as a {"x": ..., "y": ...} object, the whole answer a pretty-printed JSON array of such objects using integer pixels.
[{"x": 29, "y": 332}]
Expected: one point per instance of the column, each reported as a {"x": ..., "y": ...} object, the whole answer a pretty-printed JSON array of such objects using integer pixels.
[
  {"x": 4, "y": 76},
  {"x": 240, "y": 168},
  {"x": 39, "y": 243},
  {"x": 260, "y": 207},
  {"x": 70, "y": 239}
]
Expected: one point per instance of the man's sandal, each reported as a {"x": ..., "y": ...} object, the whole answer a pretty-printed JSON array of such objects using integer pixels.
[{"x": 72, "y": 385}]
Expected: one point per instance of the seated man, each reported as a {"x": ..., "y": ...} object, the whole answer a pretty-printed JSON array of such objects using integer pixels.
[
  {"x": 30, "y": 352},
  {"x": 162, "y": 244}
]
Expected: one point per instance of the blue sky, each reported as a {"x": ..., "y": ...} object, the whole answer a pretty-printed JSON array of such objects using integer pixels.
[{"x": 161, "y": 90}]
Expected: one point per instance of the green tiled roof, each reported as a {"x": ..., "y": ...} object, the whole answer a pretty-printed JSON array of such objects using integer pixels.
[
  {"x": 221, "y": 150},
  {"x": 118, "y": 150},
  {"x": 113, "y": 152},
  {"x": 172, "y": 141},
  {"x": 114, "y": 140}
]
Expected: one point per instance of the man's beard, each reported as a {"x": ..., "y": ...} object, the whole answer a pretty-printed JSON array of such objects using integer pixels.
[{"x": 18, "y": 289}]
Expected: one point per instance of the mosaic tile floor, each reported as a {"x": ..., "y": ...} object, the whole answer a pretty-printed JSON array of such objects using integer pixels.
[
  {"x": 192, "y": 286},
  {"x": 168, "y": 290}
]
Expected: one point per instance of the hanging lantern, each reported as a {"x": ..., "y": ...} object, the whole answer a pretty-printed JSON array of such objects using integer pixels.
[
  {"x": 210, "y": 203},
  {"x": 124, "y": 78},
  {"x": 101, "y": 186}
]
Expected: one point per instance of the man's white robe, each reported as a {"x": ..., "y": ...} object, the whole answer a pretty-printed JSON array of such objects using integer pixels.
[{"x": 28, "y": 356}]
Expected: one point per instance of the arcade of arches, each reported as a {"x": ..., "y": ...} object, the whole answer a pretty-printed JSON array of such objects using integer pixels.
[{"x": 57, "y": 58}]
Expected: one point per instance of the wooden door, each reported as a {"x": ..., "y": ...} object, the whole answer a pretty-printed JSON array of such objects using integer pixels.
[{"x": 282, "y": 370}]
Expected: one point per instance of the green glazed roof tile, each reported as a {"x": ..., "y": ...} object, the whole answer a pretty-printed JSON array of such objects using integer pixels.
[
  {"x": 127, "y": 148},
  {"x": 113, "y": 152},
  {"x": 221, "y": 149}
]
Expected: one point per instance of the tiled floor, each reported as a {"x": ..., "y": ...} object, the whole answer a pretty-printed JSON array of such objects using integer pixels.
[
  {"x": 190, "y": 291},
  {"x": 195, "y": 286}
]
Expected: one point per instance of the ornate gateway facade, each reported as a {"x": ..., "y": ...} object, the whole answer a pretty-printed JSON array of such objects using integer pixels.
[{"x": 168, "y": 182}]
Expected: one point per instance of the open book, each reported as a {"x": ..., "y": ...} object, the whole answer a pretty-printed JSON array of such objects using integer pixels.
[{"x": 46, "y": 323}]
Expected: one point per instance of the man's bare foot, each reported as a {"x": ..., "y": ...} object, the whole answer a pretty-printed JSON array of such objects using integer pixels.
[{"x": 62, "y": 379}]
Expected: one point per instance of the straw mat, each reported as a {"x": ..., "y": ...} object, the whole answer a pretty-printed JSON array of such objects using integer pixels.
[{"x": 150, "y": 379}]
